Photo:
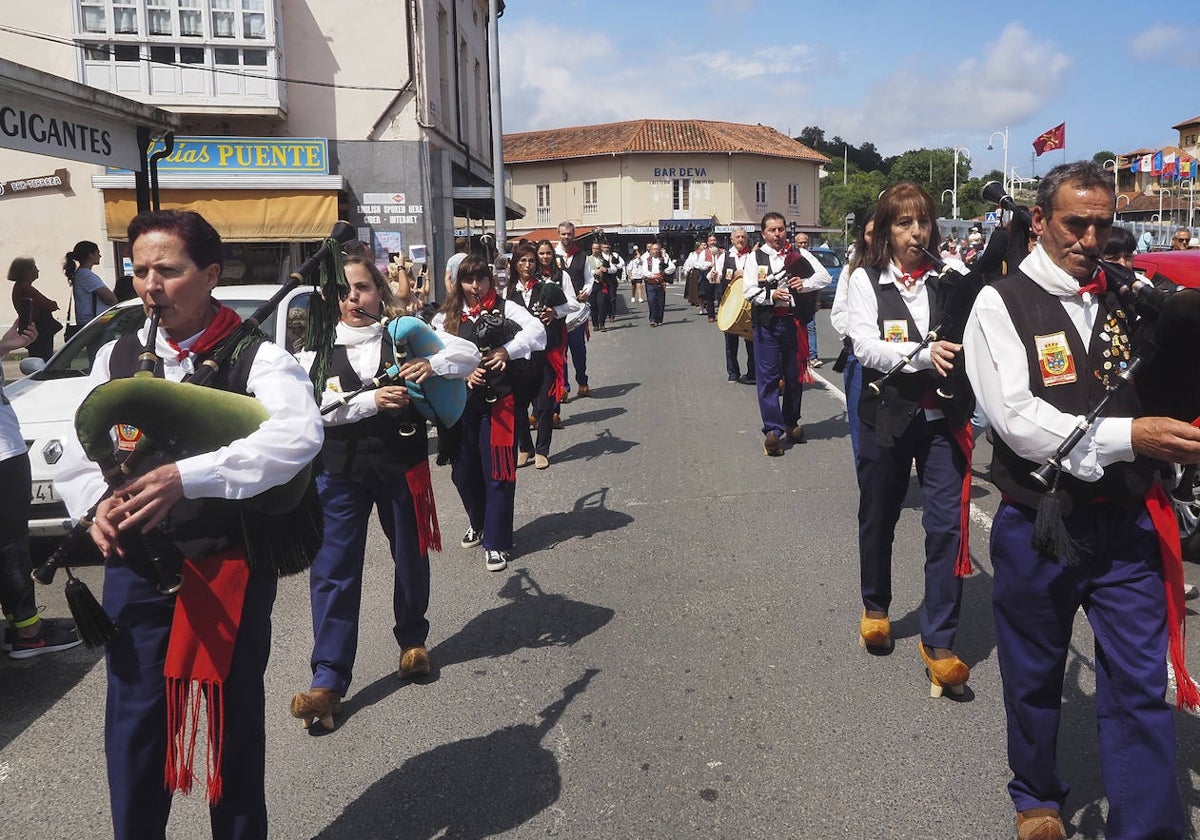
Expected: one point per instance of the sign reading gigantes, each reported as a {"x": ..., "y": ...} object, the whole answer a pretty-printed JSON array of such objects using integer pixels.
[
  {"x": 244, "y": 155},
  {"x": 32, "y": 124}
]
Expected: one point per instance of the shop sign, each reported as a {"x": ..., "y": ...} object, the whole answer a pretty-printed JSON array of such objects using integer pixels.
[
  {"x": 389, "y": 209},
  {"x": 32, "y": 124},
  {"x": 245, "y": 155},
  {"x": 60, "y": 179}
]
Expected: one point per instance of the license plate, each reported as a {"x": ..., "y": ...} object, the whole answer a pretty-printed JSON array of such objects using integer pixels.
[{"x": 43, "y": 493}]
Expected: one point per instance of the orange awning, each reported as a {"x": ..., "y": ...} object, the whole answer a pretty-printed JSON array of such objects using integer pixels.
[
  {"x": 238, "y": 215},
  {"x": 551, "y": 233}
]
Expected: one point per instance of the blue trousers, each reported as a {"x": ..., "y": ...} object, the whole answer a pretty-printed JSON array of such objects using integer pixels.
[
  {"x": 883, "y": 475},
  {"x": 775, "y": 358},
  {"x": 1120, "y": 586},
  {"x": 335, "y": 579},
  {"x": 656, "y": 297},
  {"x": 489, "y": 503},
  {"x": 852, "y": 377},
  {"x": 812, "y": 338},
  {"x": 135, "y": 724},
  {"x": 731, "y": 356},
  {"x": 577, "y": 349}
]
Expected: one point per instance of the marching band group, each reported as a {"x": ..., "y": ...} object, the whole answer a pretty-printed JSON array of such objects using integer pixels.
[{"x": 1035, "y": 348}]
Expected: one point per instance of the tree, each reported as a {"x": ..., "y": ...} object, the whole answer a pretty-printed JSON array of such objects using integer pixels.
[
  {"x": 1103, "y": 156},
  {"x": 813, "y": 137}
]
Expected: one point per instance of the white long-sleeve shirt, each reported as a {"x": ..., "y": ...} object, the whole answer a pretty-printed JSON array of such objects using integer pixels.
[
  {"x": 756, "y": 294},
  {"x": 456, "y": 361},
  {"x": 563, "y": 310},
  {"x": 996, "y": 364},
  {"x": 524, "y": 344},
  {"x": 287, "y": 440}
]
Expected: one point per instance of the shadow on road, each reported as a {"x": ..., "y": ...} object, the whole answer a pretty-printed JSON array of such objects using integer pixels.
[
  {"x": 474, "y": 788},
  {"x": 607, "y": 392},
  {"x": 531, "y": 619},
  {"x": 31, "y": 687},
  {"x": 588, "y": 516},
  {"x": 596, "y": 416},
  {"x": 604, "y": 443}
]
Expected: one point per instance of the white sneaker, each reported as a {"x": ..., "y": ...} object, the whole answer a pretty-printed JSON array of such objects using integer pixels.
[{"x": 495, "y": 561}]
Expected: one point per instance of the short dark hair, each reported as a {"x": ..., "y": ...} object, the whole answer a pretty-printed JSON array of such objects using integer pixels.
[
  {"x": 1120, "y": 241},
  {"x": 200, "y": 239},
  {"x": 768, "y": 216},
  {"x": 1082, "y": 173}
]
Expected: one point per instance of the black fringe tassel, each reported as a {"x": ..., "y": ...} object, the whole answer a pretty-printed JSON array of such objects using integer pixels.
[
  {"x": 285, "y": 544},
  {"x": 1050, "y": 536},
  {"x": 92, "y": 623}
]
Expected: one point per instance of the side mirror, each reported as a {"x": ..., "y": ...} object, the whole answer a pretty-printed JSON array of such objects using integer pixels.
[{"x": 31, "y": 364}]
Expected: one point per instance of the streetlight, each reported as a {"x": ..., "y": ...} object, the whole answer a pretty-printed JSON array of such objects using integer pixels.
[
  {"x": 967, "y": 154},
  {"x": 1160, "y": 195},
  {"x": 1191, "y": 196},
  {"x": 1118, "y": 207},
  {"x": 1004, "y": 137},
  {"x": 1116, "y": 183},
  {"x": 846, "y": 229},
  {"x": 953, "y": 200}
]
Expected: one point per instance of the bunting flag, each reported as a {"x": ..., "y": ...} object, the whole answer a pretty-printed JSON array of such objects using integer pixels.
[
  {"x": 1157, "y": 167},
  {"x": 1186, "y": 168},
  {"x": 1147, "y": 162},
  {"x": 1053, "y": 139},
  {"x": 1169, "y": 164},
  {"x": 1135, "y": 165}
]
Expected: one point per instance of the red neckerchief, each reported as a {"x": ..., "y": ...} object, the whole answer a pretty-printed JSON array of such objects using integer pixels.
[
  {"x": 488, "y": 301},
  {"x": 571, "y": 252},
  {"x": 741, "y": 252},
  {"x": 909, "y": 280},
  {"x": 1098, "y": 284},
  {"x": 222, "y": 324}
]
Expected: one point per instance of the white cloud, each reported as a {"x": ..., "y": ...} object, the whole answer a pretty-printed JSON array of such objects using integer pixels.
[{"x": 1172, "y": 44}]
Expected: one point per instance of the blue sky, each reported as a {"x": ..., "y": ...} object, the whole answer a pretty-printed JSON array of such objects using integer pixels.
[{"x": 901, "y": 75}]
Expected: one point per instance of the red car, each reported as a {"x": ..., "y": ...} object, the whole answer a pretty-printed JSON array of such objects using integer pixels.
[{"x": 1181, "y": 267}]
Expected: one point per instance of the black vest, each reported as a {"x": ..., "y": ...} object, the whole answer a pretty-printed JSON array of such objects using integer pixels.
[
  {"x": 373, "y": 443},
  {"x": 576, "y": 268},
  {"x": 199, "y": 527},
  {"x": 761, "y": 314},
  {"x": 903, "y": 394},
  {"x": 554, "y": 334},
  {"x": 1036, "y": 312}
]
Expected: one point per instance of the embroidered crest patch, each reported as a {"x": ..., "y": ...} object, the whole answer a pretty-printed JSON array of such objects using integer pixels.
[
  {"x": 895, "y": 331},
  {"x": 127, "y": 437},
  {"x": 1055, "y": 359},
  {"x": 334, "y": 383}
]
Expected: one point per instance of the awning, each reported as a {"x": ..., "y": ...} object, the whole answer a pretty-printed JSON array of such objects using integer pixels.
[
  {"x": 481, "y": 201},
  {"x": 551, "y": 233},
  {"x": 238, "y": 215}
]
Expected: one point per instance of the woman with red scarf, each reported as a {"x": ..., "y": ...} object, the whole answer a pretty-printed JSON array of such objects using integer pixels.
[
  {"x": 894, "y": 299},
  {"x": 485, "y": 468},
  {"x": 204, "y": 650},
  {"x": 536, "y": 285}
]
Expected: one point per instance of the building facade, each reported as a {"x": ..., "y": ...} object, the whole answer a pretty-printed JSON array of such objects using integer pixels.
[
  {"x": 671, "y": 179},
  {"x": 293, "y": 114}
]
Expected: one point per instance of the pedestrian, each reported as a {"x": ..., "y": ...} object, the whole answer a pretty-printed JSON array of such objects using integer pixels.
[
  {"x": 33, "y": 307},
  {"x": 1038, "y": 343},
  {"x": 27, "y": 634},
  {"x": 847, "y": 362},
  {"x": 730, "y": 265},
  {"x": 484, "y": 470},
  {"x": 152, "y": 708},
  {"x": 655, "y": 269},
  {"x": 531, "y": 288},
  {"x": 574, "y": 263},
  {"x": 814, "y": 356},
  {"x": 893, "y": 301},
  {"x": 375, "y": 456},
  {"x": 88, "y": 292},
  {"x": 779, "y": 356}
]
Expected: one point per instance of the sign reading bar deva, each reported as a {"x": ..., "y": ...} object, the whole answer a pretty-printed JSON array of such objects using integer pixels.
[
  {"x": 245, "y": 155},
  {"x": 32, "y": 124}
]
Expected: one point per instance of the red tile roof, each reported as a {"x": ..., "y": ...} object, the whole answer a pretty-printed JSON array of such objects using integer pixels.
[
  {"x": 1192, "y": 121},
  {"x": 650, "y": 136}
]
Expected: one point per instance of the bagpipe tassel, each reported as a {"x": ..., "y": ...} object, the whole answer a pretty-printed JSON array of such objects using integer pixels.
[{"x": 92, "y": 623}]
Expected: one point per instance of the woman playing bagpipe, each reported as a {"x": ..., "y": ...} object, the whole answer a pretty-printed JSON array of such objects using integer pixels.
[
  {"x": 539, "y": 288},
  {"x": 485, "y": 468},
  {"x": 207, "y": 647},
  {"x": 375, "y": 456},
  {"x": 893, "y": 302}
]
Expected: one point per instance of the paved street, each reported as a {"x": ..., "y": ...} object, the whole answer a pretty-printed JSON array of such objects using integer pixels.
[{"x": 673, "y": 654}]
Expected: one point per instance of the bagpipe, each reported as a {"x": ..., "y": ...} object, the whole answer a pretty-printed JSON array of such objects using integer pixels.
[
  {"x": 794, "y": 265},
  {"x": 550, "y": 295},
  {"x": 1162, "y": 367},
  {"x": 180, "y": 419},
  {"x": 490, "y": 331},
  {"x": 438, "y": 399}
]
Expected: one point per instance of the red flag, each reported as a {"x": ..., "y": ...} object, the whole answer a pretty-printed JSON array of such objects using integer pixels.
[{"x": 1053, "y": 139}]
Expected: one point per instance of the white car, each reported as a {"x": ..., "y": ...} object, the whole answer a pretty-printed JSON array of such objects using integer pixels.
[{"x": 46, "y": 399}]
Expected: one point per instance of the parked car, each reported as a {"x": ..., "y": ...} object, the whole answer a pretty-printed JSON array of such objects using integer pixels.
[
  {"x": 833, "y": 259},
  {"x": 1180, "y": 267},
  {"x": 45, "y": 401}
]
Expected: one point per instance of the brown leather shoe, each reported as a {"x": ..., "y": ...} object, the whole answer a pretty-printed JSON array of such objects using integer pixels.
[
  {"x": 1040, "y": 824},
  {"x": 524, "y": 458},
  {"x": 557, "y": 422},
  {"x": 317, "y": 705},
  {"x": 796, "y": 434},
  {"x": 950, "y": 672},
  {"x": 540, "y": 462},
  {"x": 772, "y": 445},
  {"x": 414, "y": 662},
  {"x": 875, "y": 632},
  {"x": 585, "y": 391}
]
